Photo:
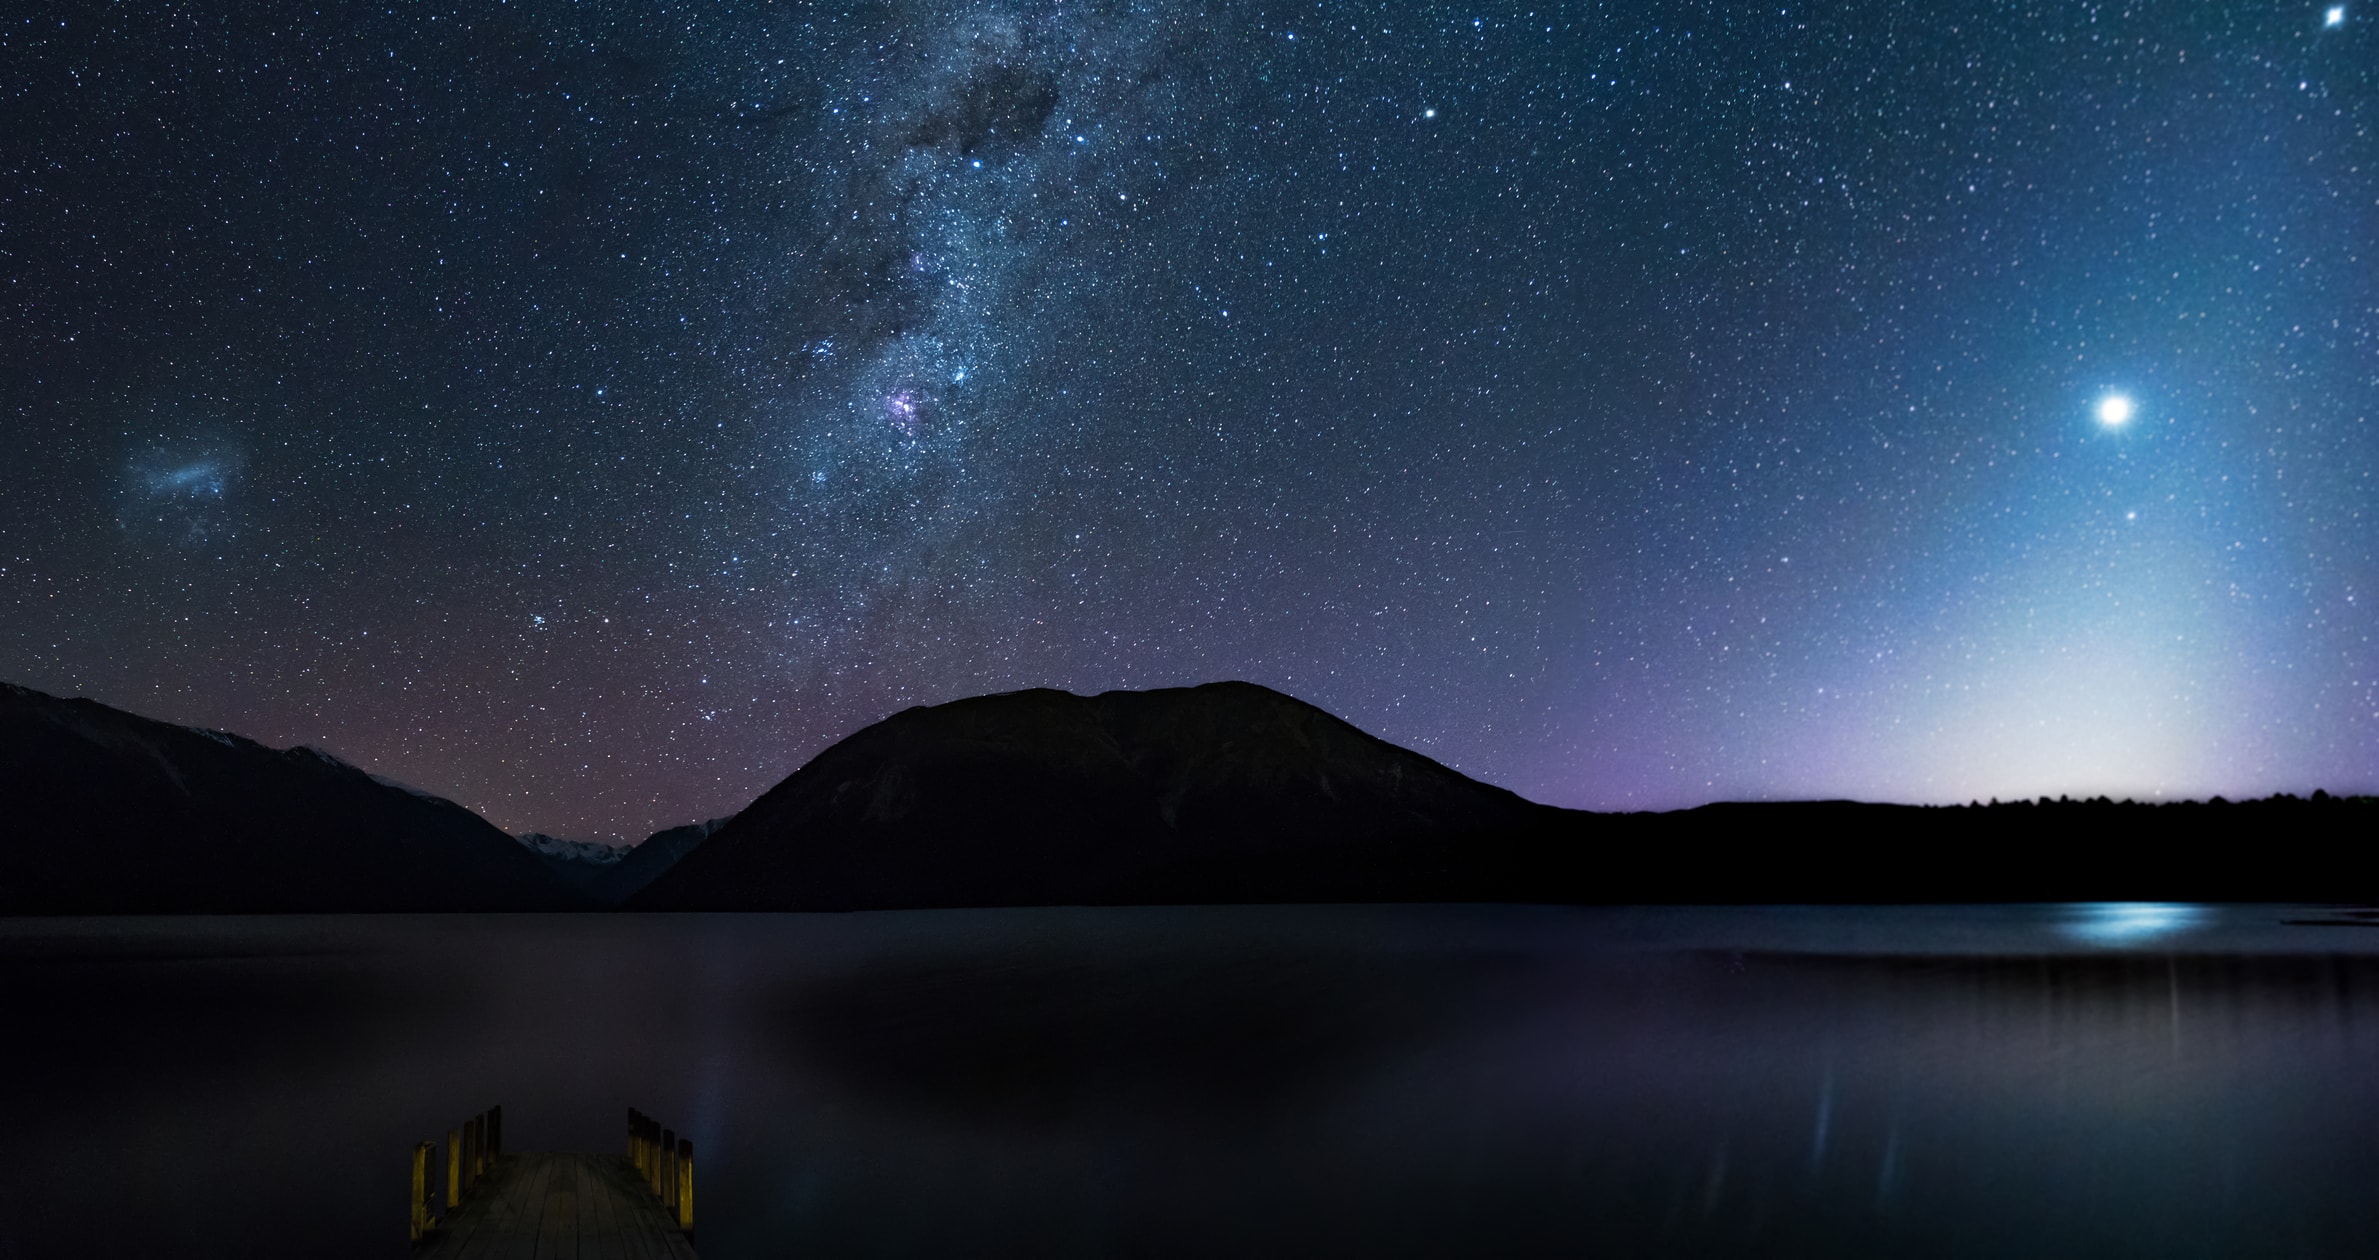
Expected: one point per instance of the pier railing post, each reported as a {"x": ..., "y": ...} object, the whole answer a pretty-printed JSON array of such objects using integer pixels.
[
  {"x": 665, "y": 1185},
  {"x": 685, "y": 1184},
  {"x": 454, "y": 1167},
  {"x": 495, "y": 1131},
  {"x": 631, "y": 1135},
  {"x": 421, "y": 1190}
]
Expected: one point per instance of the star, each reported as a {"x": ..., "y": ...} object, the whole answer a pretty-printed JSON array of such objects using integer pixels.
[
  {"x": 2114, "y": 410},
  {"x": 2335, "y": 17}
]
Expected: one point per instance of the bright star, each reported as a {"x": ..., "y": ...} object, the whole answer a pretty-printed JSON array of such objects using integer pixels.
[
  {"x": 2335, "y": 17},
  {"x": 2113, "y": 410}
]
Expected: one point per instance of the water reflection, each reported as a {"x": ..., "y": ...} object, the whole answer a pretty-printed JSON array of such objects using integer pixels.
[
  {"x": 2122, "y": 923},
  {"x": 1049, "y": 1037},
  {"x": 2041, "y": 1081}
]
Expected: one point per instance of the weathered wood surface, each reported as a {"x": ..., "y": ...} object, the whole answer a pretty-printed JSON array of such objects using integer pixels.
[{"x": 558, "y": 1207}]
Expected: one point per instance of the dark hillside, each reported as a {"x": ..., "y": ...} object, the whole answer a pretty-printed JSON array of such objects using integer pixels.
[
  {"x": 1223, "y": 792},
  {"x": 102, "y": 811},
  {"x": 1231, "y": 792}
]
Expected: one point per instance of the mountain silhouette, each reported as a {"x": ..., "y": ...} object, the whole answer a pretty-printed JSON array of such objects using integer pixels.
[
  {"x": 1222, "y": 792},
  {"x": 1226, "y": 792},
  {"x": 105, "y": 812},
  {"x": 1230, "y": 792}
]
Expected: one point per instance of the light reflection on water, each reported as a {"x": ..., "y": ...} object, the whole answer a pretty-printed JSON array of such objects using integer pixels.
[
  {"x": 1964, "y": 1081},
  {"x": 2126, "y": 923}
]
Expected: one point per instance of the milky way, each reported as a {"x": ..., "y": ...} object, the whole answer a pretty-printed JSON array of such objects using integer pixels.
[{"x": 591, "y": 411}]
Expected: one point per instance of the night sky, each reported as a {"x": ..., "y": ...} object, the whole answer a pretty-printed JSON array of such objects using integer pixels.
[{"x": 589, "y": 411}]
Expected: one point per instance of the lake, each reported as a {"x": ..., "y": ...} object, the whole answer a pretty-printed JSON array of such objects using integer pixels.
[{"x": 1291, "y": 1081}]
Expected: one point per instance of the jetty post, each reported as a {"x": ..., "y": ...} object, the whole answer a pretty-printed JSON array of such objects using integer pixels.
[
  {"x": 665, "y": 1163},
  {"x": 685, "y": 1184},
  {"x": 495, "y": 1131},
  {"x": 668, "y": 1186},
  {"x": 421, "y": 1188},
  {"x": 470, "y": 1147}
]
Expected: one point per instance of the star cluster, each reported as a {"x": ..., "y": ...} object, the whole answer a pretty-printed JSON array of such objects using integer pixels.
[{"x": 590, "y": 411}]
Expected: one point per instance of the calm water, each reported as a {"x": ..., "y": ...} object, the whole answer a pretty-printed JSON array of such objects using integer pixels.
[{"x": 1993, "y": 1081}]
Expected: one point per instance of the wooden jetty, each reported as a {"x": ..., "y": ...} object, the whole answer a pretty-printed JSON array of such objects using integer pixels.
[{"x": 481, "y": 1202}]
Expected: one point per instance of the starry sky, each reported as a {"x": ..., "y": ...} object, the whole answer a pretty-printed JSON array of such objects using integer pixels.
[{"x": 589, "y": 411}]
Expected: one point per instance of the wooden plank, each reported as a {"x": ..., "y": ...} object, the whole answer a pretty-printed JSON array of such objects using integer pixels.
[
  {"x": 482, "y": 1220},
  {"x": 473, "y": 1217},
  {"x": 553, "y": 1233},
  {"x": 494, "y": 1238},
  {"x": 528, "y": 1204},
  {"x": 631, "y": 1198},
  {"x": 510, "y": 1205},
  {"x": 615, "y": 1211},
  {"x": 581, "y": 1177},
  {"x": 557, "y": 1228},
  {"x": 617, "y": 1175},
  {"x": 607, "y": 1223}
]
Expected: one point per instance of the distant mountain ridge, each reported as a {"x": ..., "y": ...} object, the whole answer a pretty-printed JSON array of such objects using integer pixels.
[
  {"x": 611, "y": 873},
  {"x": 1226, "y": 791},
  {"x": 106, "y": 812},
  {"x": 579, "y": 863},
  {"x": 592, "y": 853},
  {"x": 1231, "y": 792},
  {"x": 658, "y": 852}
]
